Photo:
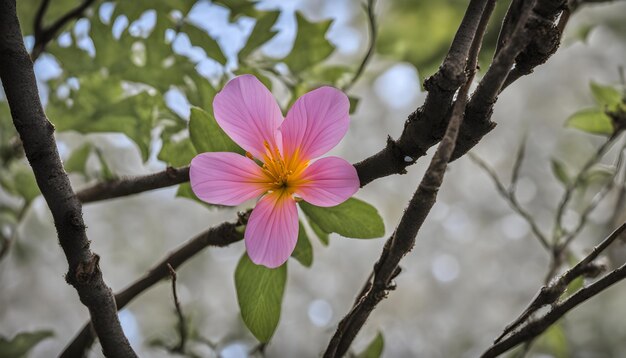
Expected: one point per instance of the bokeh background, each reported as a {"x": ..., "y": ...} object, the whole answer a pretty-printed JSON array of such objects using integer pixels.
[{"x": 475, "y": 265}]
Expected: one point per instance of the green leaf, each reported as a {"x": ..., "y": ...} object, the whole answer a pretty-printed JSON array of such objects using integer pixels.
[
  {"x": 353, "y": 218},
  {"x": 207, "y": 136},
  {"x": 76, "y": 162},
  {"x": 591, "y": 120},
  {"x": 105, "y": 171},
  {"x": 242, "y": 70},
  {"x": 559, "y": 171},
  {"x": 303, "y": 251},
  {"x": 177, "y": 153},
  {"x": 260, "y": 296},
  {"x": 554, "y": 342},
  {"x": 200, "y": 37},
  {"x": 374, "y": 349},
  {"x": 321, "y": 234},
  {"x": 310, "y": 46},
  {"x": 184, "y": 191},
  {"x": 238, "y": 8},
  {"x": 22, "y": 343},
  {"x": 261, "y": 33},
  {"x": 607, "y": 97}
]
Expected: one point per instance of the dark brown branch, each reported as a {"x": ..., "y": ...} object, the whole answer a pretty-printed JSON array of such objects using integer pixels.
[
  {"x": 43, "y": 36},
  {"x": 550, "y": 295},
  {"x": 129, "y": 186},
  {"x": 403, "y": 238},
  {"x": 38, "y": 24},
  {"x": 551, "y": 292},
  {"x": 36, "y": 133},
  {"x": 218, "y": 236}
]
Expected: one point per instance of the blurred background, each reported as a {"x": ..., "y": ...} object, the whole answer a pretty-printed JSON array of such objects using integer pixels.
[{"x": 118, "y": 85}]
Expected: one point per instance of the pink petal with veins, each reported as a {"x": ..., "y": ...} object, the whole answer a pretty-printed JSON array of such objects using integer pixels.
[
  {"x": 272, "y": 230},
  {"x": 247, "y": 111},
  {"x": 226, "y": 178},
  {"x": 316, "y": 123},
  {"x": 328, "y": 182}
]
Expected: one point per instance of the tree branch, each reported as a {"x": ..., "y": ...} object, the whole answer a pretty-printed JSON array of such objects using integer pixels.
[
  {"x": 43, "y": 36},
  {"x": 403, "y": 238},
  {"x": 182, "y": 325},
  {"x": 36, "y": 132},
  {"x": 218, "y": 236},
  {"x": 551, "y": 293},
  {"x": 129, "y": 186},
  {"x": 371, "y": 19}
]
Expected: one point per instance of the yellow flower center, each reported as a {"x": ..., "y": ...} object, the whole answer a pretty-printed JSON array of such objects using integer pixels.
[{"x": 284, "y": 174}]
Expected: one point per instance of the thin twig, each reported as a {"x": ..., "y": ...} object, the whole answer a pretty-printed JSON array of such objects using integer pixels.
[
  {"x": 537, "y": 327},
  {"x": 551, "y": 292},
  {"x": 38, "y": 23},
  {"x": 509, "y": 195},
  {"x": 43, "y": 36},
  {"x": 371, "y": 19},
  {"x": 569, "y": 189},
  {"x": 595, "y": 201},
  {"x": 218, "y": 236},
  {"x": 182, "y": 325}
]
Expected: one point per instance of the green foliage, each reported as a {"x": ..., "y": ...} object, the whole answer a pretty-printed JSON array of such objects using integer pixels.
[
  {"x": 22, "y": 343},
  {"x": 76, "y": 162},
  {"x": 303, "y": 251},
  {"x": 239, "y": 7},
  {"x": 353, "y": 218},
  {"x": 261, "y": 33},
  {"x": 433, "y": 25},
  {"x": 177, "y": 153},
  {"x": 591, "y": 120},
  {"x": 18, "y": 179},
  {"x": 311, "y": 46},
  {"x": 200, "y": 37},
  {"x": 554, "y": 342},
  {"x": 374, "y": 349},
  {"x": 559, "y": 171},
  {"x": 596, "y": 120},
  {"x": 260, "y": 295},
  {"x": 607, "y": 97},
  {"x": 208, "y": 136},
  {"x": 321, "y": 234}
]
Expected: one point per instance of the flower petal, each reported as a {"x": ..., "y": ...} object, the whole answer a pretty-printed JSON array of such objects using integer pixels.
[
  {"x": 247, "y": 111},
  {"x": 316, "y": 123},
  {"x": 226, "y": 178},
  {"x": 272, "y": 230},
  {"x": 328, "y": 182}
]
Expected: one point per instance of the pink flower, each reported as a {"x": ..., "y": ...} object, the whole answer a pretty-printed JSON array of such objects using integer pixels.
[{"x": 249, "y": 114}]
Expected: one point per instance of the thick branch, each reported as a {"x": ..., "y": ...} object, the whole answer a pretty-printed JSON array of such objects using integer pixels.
[
  {"x": 403, "y": 238},
  {"x": 129, "y": 186},
  {"x": 36, "y": 132},
  {"x": 218, "y": 236}
]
